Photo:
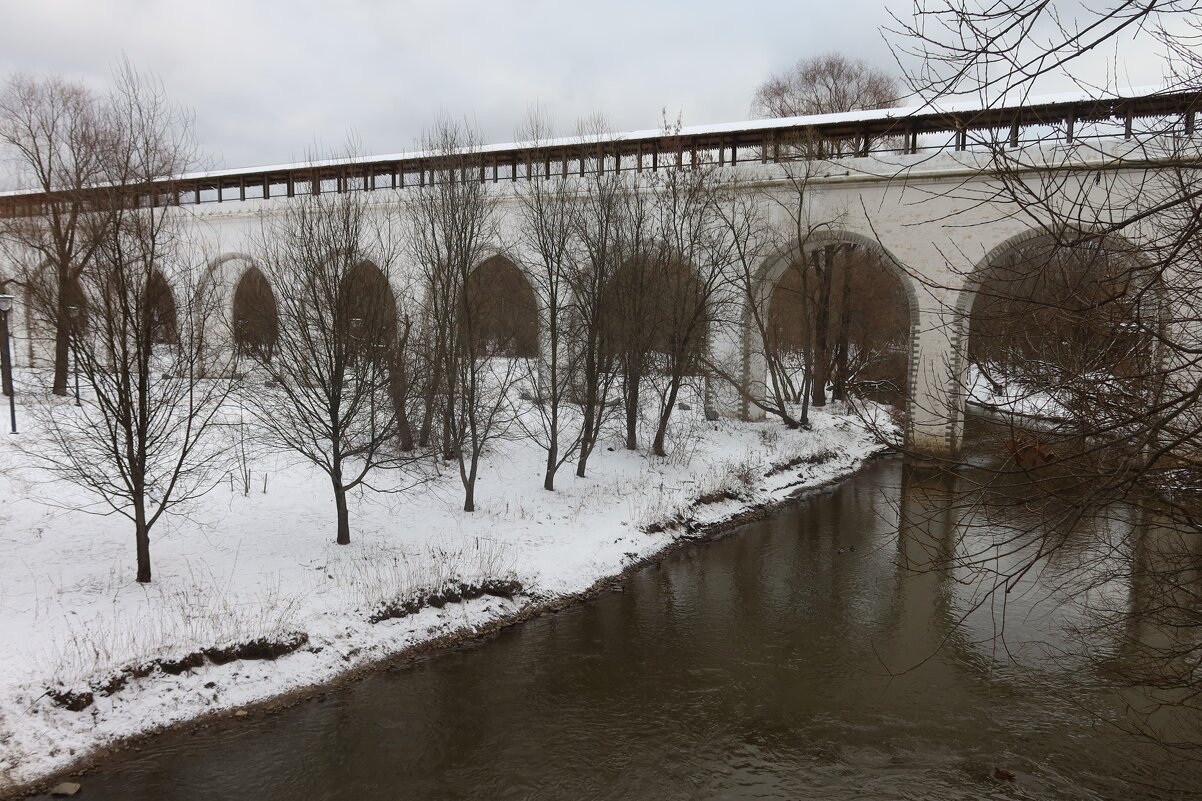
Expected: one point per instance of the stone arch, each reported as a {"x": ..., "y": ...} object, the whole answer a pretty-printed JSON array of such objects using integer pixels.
[
  {"x": 771, "y": 271},
  {"x": 972, "y": 283},
  {"x": 678, "y": 280},
  {"x": 507, "y": 309},
  {"x": 770, "y": 274},
  {"x": 368, "y": 306},
  {"x": 254, "y": 313},
  {"x": 965, "y": 301},
  {"x": 222, "y": 274},
  {"x": 215, "y": 289}
]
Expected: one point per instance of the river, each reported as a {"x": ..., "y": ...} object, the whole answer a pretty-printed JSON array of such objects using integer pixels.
[{"x": 796, "y": 659}]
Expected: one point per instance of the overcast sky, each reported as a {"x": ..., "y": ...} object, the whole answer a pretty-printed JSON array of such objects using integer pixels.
[{"x": 268, "y": 80}]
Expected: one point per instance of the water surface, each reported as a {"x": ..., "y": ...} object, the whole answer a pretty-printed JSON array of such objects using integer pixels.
[{"x": 797, "y": 659}]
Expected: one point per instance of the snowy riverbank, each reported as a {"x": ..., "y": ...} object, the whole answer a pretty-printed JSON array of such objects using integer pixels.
[{"x": 239, "y": 568}]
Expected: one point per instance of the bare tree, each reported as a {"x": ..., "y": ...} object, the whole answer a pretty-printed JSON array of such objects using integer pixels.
[
  {"x": 453, "y": 221},
  {"x": 826, "y": 84},
  {"x": 796, "y": 239},
  {"x": 690, "y": 280},
  {"x": 633, "y": 322},
  {"x": 602, "y": 230},
  {"x": 332, "y": 393},
  {"x": 549, "y": 224},
  {"x": 752, "y": 242},
  {"x": 140, "y": 442},
  {"x": 55, "y": 134}
]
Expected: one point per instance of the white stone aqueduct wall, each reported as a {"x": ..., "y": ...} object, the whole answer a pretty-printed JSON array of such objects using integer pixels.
[{"x": 923, "y": 211}]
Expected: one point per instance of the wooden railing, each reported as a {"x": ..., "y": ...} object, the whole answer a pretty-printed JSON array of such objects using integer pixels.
[{"x": 897, "y": 131}]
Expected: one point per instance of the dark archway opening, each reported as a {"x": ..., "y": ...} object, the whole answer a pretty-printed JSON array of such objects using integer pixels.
[
  {"x": 1063, "y": 331},
  {"x": 256, "y": 318},
  {"x": 845, "y": 315},
  {"x": 367, "y": 311},
  {"x": 654, "y": 313},
  {"x": 160, "y": 310},
  {"x": 503, "y": 309},
  {"x": 76, "y": 302}
]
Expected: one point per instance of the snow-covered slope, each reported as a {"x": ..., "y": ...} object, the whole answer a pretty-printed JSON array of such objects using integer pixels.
[{"x": 264, "y": 565}]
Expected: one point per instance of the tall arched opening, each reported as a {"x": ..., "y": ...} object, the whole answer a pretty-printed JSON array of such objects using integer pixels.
[
  {"x": 161, "y": 312},
  {"x": 255, "y": 315},
  {"x": 367, "y": 309},
  {"x": 504, "y": 310},
  {"x": 76, "y": 301},
  {"x": 655, "y": 309},
  {"x": 1061, "y": 334},
  {"x": 656, "y": 332},
  {"x": 839, "y": 323}
]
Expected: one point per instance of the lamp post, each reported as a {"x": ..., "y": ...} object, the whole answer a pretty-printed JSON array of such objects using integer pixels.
[
  {"x": 73, "y": 314},
  {"x": 6, "y": 361}
]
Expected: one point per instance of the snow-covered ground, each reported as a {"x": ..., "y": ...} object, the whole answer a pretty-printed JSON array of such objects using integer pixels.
[
  {"x": 1012, "y": 398},
  {"x": 264, "y": 565}
]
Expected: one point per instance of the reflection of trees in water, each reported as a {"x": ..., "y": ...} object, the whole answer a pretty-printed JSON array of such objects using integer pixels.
[
  {"x": 1150, "y": 642},
  {"x": 1100, "y": 537},
  {"x": 1107, "y": 596}
]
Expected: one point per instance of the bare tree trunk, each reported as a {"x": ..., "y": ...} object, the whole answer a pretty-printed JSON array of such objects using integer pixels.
[
  {"x": 344, "y": 520},
  {"x": 406, "y": 432},
  {"x": 552, "y": 452},
  {"x": 448, "y": 435},
  {"x": 630, "y": 395},
  {"x": 586, "y": 441},
  {"x": 590, "y": 411},
  {"x": 822, "y": 321},
  {"x": 399, "y": 386},
  {"x": 469, "y": 482},
  {"x": 806, "y": 382},
  {"x": 62, "y": 343},
  {"x": 661, "y": 430},
  {"x": 142, "y": 538},
  {"x": 807, "y": 349},
  {"x": 839, "y": 392},
  {"x": 427, "y": 428}
]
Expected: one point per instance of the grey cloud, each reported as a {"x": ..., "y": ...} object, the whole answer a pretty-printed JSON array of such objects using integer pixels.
[{"x": 267, "y": 80}]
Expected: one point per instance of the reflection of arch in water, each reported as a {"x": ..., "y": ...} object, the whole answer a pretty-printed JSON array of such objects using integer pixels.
[
  {"x": 504, "y": 309},
  {"x": 924, "y": 617},
  {"x": 255, "y": 315}
]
